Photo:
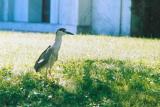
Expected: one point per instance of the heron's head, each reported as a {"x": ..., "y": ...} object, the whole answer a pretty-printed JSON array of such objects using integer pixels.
[{"x": 62, "y": 31}]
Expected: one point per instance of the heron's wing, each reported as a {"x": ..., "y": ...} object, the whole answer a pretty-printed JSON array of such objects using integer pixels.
[{"x": 43, "y": 58}]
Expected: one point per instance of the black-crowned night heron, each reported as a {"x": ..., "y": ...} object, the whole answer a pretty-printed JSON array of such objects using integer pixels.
[{"x": 50, "y": 55}]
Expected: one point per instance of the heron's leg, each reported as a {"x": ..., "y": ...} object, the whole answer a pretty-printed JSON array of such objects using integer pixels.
[
  {"x": 46, "y": 73},
  {"x": 50, "y": 69}
]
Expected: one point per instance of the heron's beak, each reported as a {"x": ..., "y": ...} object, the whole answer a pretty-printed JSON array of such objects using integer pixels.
[{"x": 69, "y": 33}]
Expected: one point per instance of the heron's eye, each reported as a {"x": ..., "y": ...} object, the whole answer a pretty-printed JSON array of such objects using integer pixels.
[{"x": 63, "y": 30}]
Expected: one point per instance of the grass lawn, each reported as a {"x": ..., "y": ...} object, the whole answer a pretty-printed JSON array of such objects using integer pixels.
[{"x": 91, "y": 71}]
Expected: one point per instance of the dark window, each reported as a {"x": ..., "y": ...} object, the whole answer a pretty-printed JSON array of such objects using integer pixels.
[
  {"x": 45, "y": 10},
  {"x": 145, "y": 18}
]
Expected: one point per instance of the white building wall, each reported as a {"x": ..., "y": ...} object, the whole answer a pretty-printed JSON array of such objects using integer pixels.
[
  {"x": 102, "y": 15},
  {"x": 21, "y": 11},
  {"x": 71, "y": 12},
  {"x": 68, "y": 12},
  {"x": 5, "y": 10},
  {"x": 54, "y": 14},
  {"x": 85, "y": 12},
  {"x": 126, "y": 17},
  {"x": 106, "y": 17}
]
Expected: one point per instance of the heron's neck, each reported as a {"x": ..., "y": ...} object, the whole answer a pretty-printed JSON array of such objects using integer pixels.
[{"x": 57, "y": 43}]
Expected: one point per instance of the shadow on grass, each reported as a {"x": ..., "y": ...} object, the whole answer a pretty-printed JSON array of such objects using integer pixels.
[{"x": 109, "y": 82}]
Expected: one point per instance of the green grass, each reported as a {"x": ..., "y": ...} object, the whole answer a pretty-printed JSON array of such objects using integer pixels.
[{"x": 91, "y": 71}]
